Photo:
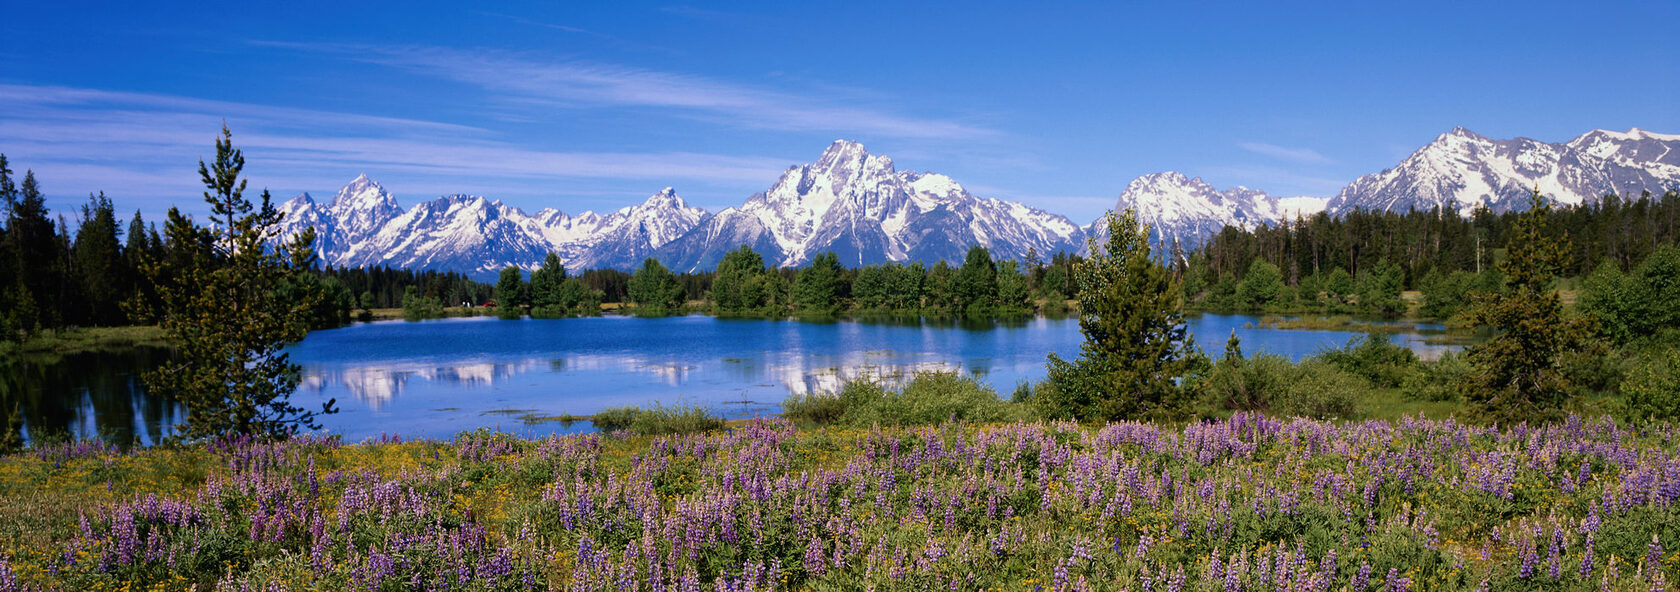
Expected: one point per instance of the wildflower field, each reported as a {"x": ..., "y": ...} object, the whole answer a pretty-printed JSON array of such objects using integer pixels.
[{"x": 1246, "y": 503}]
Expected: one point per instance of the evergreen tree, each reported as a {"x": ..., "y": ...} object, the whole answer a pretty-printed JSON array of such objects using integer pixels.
[
  {"x": 1012, "y": 290},
  {"x": 820, "y": 286},
  {"x": 1261, "y": 287},
  {"x": 654, "y": 288},
  {"x": 8, "y": 257},
  {"x": 223, "y": 311},
  {"x": 36, "y": 265},
  {"x": 100, "y": 267},
  {"x": 975, "y": 286},
  {"x": 546, "y": 299},
  {"x": 1516, "y": 375},
  {"x": 741, "y": 282},
  {"x": 510, "y": 292},
  {"x": 1136, "y": 344}
]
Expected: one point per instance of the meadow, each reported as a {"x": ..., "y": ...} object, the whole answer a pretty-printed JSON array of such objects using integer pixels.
[{"x": 1248, "y": 502}]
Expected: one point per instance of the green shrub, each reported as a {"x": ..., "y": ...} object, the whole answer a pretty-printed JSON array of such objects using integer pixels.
[
  {"x": 662, "y": 420},
  {"x": 1374, "y": 357},
  {"x": 615, "y": 418},
  {"x": 1322, "y": 391},
  {"x": 1269, "y": 383},
  {"x": 658, "y": 421},
  {"x": 1438, "y": 380},
  {"x": 1652, "y": 388},
  {"x": 929, "y": 398}
]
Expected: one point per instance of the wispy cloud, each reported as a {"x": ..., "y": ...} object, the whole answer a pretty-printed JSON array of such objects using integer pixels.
[
  {"x": 148, "y": 145},
  {"x": 524, "y": 79},
  {"x": 1276, "y": 181},
  {"x": 1297, "y": 155}
]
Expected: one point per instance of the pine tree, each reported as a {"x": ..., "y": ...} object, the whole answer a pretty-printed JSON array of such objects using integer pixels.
[
  {"x": 1136, "y": 344},
  {"x": 654, "y": 288},
  {"x": 820, "y": 286},
  {"x": 1516, "y": 375},
  {"x": 547, "y": 299},
  {"x": 510, "y": 292},
  {"x": 102, "y": 272},
  {"x": 976, "y": 284},
  {"x": 741, "y": 282},
  {"x": 37, "y": 260},
  {"x": 222, "y": 307}
]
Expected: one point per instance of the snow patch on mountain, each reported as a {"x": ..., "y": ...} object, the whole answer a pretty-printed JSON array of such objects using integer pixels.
[{"x": 1461, "y": 171}]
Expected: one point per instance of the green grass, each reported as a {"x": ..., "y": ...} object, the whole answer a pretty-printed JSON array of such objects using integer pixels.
[{"x": 63, "y": 342}]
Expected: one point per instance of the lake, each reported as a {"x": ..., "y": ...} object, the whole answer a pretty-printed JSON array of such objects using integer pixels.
[{"x": 438, "y": 377}]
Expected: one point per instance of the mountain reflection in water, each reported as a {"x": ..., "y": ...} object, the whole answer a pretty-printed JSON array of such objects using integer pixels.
[{"x": 437, "y": 378}]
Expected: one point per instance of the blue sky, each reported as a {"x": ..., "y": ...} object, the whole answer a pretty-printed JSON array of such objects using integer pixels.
[{"x": 597, "y": 105}]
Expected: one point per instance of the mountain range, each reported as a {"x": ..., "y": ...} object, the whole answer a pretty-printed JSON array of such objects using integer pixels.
[{"x": 861, "y": 207}]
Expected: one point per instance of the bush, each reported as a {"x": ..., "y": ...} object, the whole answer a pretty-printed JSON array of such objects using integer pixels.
[
  {"x": 1652, "y": 388},
  {"x": 663, "y": 420},
  {"x": 1374, "y": 357},
  {"x": 1268, "y": 382},
  {"x": 1438, "y": 380},
  {"x": 929, "y": 398},
  {"x": 615, "y": 418},
  {"x": 658, "y": 421}
]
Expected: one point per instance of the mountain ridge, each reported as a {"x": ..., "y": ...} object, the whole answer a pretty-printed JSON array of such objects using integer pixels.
[{"x": 862, "y": 207}]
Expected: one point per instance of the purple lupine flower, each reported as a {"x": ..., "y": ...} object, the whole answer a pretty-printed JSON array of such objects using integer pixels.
[{"x": 1587, "y": 558}]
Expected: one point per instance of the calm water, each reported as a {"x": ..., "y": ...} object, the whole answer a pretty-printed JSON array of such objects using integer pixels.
[{"x": 436, "y": 378}]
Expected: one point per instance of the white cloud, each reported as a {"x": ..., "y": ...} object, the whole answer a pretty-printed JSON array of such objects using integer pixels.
[
  {"x": 1299, "y": 155},
  {"x": 136, "y": 145},
  {"x": 522, "y": 79}
]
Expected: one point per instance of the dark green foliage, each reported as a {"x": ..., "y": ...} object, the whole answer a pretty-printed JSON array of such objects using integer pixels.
[
  {"x": 1638, "y": 305},
  {"x": 742, "y": 284},
  {"x": 1269, "y": 383},
  {"x": 387, "y": 287},
  {"x": 975, "y": 285},
  {"x": 1379, "y": 290},
  {"x": 100, "y": 268},
  {"x": 1652, "y": 387},
  {"x": 1438, "y": 380},
  {"x": 224, "y": 311},
  {"x": 510, "y": 292},
  {"x": 654, "y": 289},
  {"x": 1375, "y": 358},
  {"x": 1261, "y": 288},
  {"x": 819, "y": 288},
  {"x": 1136, "y": 345},
  {"x": 1012, "y": 289},
  {"x": 1359, "y": 262},
  {"x": 928, "y": 399},
  {"x": 416, "y": 306},
  {"x": 546, "y": 300},
  {"x": 1444, "y": 295},
  {"x": 1516, "y": 375},
  {"x": 658, "y": 421}
]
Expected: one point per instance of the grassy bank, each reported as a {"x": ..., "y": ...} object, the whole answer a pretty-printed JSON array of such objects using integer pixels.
[
  {"x": 1244, "y": 503},
  {"x": 86, "y": 340}
]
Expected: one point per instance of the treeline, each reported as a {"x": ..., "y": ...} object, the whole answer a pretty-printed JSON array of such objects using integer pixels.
[
  {"x": 1360, "y": 261},
  {"x": 53, "y": 277},
  {"x": 743, "y": 284}
]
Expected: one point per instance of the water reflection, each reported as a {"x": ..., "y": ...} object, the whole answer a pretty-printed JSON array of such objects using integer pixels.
[
  {"x": 86, "y": 396},
  {"x": 436, "y": 378},
  {"x": 376, "y": 386}
]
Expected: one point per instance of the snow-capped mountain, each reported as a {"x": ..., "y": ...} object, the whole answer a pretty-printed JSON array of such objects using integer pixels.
[
  {"x": 364, "y": 226},
  {"x": 1188, "y": 210},
  {"x": 862, "y": 208},
  {"x": 620, "y": 239},
  {"x": 1462, "y": 170}
]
